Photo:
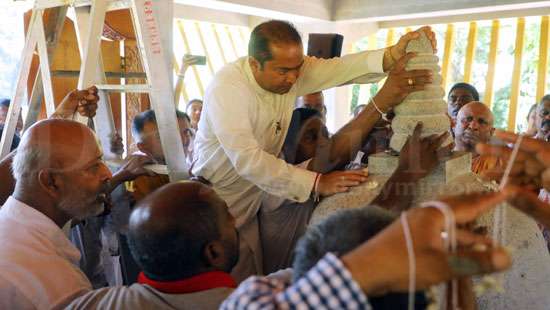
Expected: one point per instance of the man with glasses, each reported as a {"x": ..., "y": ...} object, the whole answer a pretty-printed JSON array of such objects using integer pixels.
[{"x": 474, "y": 124}]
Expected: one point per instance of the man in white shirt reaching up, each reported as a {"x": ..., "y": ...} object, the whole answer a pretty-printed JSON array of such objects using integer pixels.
[{"x": 247, "y": 111}]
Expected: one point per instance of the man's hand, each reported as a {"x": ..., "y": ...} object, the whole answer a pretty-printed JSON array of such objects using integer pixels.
[
  {"x": 397, "y": 87},
  {"x": 117, "y": 147},
  {"x": 531, "y": 167},
  {"x": 529, "y": 203},
  {"x": 133, "y": 168},
  {"x": 340, "y": 181},
  {"x": 420, "y": 156},
  {"x": 381, "y": 264},
  {"x": 188, "y": 61},
  {"x": 82, "y": 101},
  {"x": 395, "y": 52}
]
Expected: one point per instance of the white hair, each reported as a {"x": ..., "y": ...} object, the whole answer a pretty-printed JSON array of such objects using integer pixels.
[{"x": 28, "y": 161}]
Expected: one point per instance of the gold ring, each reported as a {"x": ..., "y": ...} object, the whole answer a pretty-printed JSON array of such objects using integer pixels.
[{"x": 410, "y": 81}]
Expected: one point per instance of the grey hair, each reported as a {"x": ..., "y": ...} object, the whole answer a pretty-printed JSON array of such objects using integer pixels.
[
  {"x": 339, "y": 234},
  {"x": 28, "y": 161}
]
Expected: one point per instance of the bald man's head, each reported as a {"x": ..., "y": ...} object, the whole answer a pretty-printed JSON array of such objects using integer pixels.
[
  {"x": 182, "y": 229},
  {"x": 315, "y": 101},
  {"x": 474, "y": 125},
  {"x": 61, "y": 161}
]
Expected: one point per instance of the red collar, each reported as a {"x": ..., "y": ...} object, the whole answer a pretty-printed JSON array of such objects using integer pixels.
[{"x": 200, "y": 282}]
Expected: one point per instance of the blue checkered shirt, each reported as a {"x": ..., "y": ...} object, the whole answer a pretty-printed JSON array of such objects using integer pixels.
[{"x": 328, "y": 285}]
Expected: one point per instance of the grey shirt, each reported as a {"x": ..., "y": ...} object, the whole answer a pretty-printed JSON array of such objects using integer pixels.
[{"x": 142, "y": 296}]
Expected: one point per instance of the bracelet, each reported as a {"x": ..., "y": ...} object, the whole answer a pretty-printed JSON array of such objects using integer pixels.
[
  {"x": 316, "y": 187},
  {"x": 382, "y": 114}
]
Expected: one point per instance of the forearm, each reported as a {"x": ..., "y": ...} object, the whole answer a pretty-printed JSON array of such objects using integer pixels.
[
  {"x": 398, "y": 192},
  {"x": 118, "y": 178},
  {"x": 346, "y": 142}
]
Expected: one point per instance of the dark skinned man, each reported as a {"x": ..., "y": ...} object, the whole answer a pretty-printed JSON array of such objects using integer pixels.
[{"x": 475, "y": 125}]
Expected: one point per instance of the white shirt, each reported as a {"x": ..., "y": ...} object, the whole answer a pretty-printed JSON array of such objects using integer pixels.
[
  {"x": 243, "y": 127},
  {"x": 38, "y": 264}
]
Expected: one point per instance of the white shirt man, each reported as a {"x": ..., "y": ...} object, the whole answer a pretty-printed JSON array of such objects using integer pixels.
[
  {"x": 243, "y": 127},
  {"x": 39, "y": 265}
]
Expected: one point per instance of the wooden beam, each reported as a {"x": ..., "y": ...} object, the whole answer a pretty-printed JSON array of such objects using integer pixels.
[
  {"x": 490, "y": 81},
  {"x": 217, "y": 37},
  {"x": 390, "y": 37},
  {"x": 241, "y": 34},
  {"x": 447, "y": 54},
  {"x": 188, "y": 51},
  {"x": 233, "y": 46},
  {"x": 516, "y": 75},
  {"x": 470, "y": 52},
  {"x": 204, "y": 48},
  {"x": 543, "y": 57}
]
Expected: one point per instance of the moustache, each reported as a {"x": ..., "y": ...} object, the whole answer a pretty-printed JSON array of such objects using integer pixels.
[{"x": 546, "y": 123}]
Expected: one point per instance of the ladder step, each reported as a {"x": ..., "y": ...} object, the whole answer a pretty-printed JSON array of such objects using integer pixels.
[{"x": 129, "y": 88}]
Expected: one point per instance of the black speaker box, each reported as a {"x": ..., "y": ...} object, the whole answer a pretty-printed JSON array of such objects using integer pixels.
[{"x": 325, "y": 45}]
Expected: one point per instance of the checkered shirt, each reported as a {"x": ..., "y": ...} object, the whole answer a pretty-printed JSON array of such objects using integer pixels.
[{"x": 328, "y": 285}]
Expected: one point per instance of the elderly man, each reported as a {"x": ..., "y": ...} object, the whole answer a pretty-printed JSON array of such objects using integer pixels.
[
  {"x": 184, "y": 239},
  {"x": 146, "y": 134},
  {"x": 59, "y": 176},
  {"x": 247, "y": 111},
  {"x": 83, "y": 102},
  {"x": 475, "y": 125},
  {"x": 459, "y": 95}
]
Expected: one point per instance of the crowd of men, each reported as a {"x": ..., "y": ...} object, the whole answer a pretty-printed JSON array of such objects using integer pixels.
[{"x": 236, "y": 234}]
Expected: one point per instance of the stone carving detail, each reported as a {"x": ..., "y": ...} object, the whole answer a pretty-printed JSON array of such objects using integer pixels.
[{"x": 426, "y": 106}]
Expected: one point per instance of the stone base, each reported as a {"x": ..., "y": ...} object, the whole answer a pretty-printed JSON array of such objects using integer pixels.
[{"x": 458, "y": 163}]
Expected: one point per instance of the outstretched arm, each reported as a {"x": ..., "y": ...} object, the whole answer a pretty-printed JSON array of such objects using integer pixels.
[{"x": 348, "y": 140}]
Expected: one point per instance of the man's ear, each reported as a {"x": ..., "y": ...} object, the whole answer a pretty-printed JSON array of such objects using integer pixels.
[
  {"x": 254, "y": 64},
  {"x": 214, "y": 255},
  {"x": 49, "y": 182}
]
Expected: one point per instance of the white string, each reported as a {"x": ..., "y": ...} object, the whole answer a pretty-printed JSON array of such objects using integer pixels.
[
  {"x": 449, "y": 243},
  {"x": 499, "y": 217},
  {"x": 382, "y": 114},
  {"x": 412, "y": 259},
  {"x": 510, "y": 164}
]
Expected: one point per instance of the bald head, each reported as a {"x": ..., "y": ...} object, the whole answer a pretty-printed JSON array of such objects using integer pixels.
[
  {"x": 61, "y": 144},
  {"x": 58, "y": 164},
  {"x": 315, "y": 101},
  {"x": 182, "y": 229},
  {"x": 474, "y": 125}
]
